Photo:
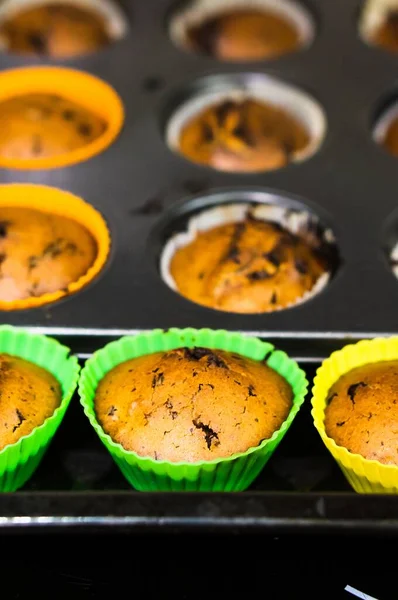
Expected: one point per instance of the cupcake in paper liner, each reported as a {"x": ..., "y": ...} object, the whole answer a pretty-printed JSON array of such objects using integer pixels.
[
  {"x": 385, "y": 132},
  {"x": 59, "y": 28},
  {"x": 52, "y": 244},
  {"x": 242, "y": 30},
  {"x": 246, "y": 123},
  {"x": 378, "y": 24},
  {"x": 354, "y": 409},
  {"x": 38, "y": 380},
  {"x": 186, "y": 409},
  {"x": 248, "y": 258}
]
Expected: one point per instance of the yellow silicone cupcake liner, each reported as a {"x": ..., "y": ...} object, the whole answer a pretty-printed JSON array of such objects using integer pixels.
[
  {"x": 86, "y": 90},
  {"x": 365, "y": 476},
  {"x": 64, "y": 204}
]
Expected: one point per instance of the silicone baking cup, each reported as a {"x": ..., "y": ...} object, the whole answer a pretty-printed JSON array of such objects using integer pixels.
[
  {"x": 365, "y": 476},
  {"x": 234, "y": 473},
  {"x": 82, "y": 88},
  {"x": 19, "y": 461},
  {"x": 58, "y": 202}
]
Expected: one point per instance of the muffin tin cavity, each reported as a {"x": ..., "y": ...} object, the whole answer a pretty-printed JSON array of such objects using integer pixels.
[
  {"x": 385, "y": 131},
  {"x": 242, "y": 30},
  {"x": 61, "y": 116},
  {"x": 245, "y": 123},
  {"x": 288, "y": 257},
  {"x": 378, "y": 25},
  {"x": 60, "y": 28},
  {"x": 45, "y": 261}
]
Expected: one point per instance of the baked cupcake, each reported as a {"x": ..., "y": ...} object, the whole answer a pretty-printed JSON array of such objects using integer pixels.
[
  {"x": 191, "y": 404},
  {"x": 246, "y": 259},
  {"x": 244, "y": 136},
  {"x": 37, "y": 126},
  {"x": 41, "y": 253},
  {"x": 57, "y": 30},
  {"x": 188, "y": 409},
  {"x": 245, "y": 34},
  {"x": 29, "y": 395}
]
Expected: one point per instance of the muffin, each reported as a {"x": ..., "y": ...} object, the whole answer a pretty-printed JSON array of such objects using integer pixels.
[
  {"x": 361, "y": 412},
  {"x": 57, "y": 30},
  {"x": 245, "y": 34},
  {"x": 245, "y": 135},
  {"x": 29, "y": 395},
  {"x": 42, "y": 125},
  {"x": 386, "y": 35},
  {"x": 41, "y": 253},
  {"x": 390, "y": 140},
  {"x": 252, "y": 266},
  {"x": 191, "y": 404}
]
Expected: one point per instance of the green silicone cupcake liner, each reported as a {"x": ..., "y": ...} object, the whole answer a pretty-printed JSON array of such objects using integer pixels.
[
  {"x": 19, "y": 461},
  {"x": 234, "y": 473}
]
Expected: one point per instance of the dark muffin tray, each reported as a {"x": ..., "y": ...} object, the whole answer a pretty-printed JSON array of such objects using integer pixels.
[{"x": 143, "y": 188}]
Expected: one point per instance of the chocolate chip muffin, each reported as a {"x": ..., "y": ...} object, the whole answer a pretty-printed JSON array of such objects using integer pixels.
[
  {"x": 41, "y": 253},
  {"x": 191, "y": 404},
  {"x": 390, "y": 141},
  {"x": 243, "y": 136},
  {"x": 245, "y": 35},
  {"x": 361, "y": 412},
  {"x": 248, "y": 267},
  {"x": 386, "y": 36},
  {"x": 29, "y": 395},
  {"x": 55, "y": 30},
  {"x": 41, "y": 126}
]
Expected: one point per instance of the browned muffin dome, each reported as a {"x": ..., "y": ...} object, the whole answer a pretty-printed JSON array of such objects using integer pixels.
[
  {"x": 248, "y": 267},
  {"x": 243, "y": 136},
  {"x": 28, "y": 396},
  {"x": 41, "y": 253},
  {"x": 191, "y": 404},
  {"x": 390, "y": 141},
  {"x": 386, "y": 36},
  {"x": 245, "y": 35},
  {"x": 41, "y": 126},
  {"x": 56, "y": 30},
  {"x": 362, "y": 412}
]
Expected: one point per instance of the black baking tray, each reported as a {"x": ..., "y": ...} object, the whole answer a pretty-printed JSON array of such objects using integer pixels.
[{"x": 140, "y": 187}]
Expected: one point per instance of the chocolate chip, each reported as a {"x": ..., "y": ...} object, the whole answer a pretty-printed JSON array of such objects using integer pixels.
[
  {"x": 259, "y": 275},
  {"x": 85, "y": 130},
  {"x": 112, "y": 411},
  {"x": 352, "y": 390},
  {"x": 223, "y": 110},
  {"x": 201, "y": 275},
  {"x": 329, "y": 400},
  {"x": 3, "y": 228},
  {"x": 274, "y": 298},
  {"x": 157, "y": 379},
  {"x": 37, "y": 41},
  {"x": 207, "y": 132},
  {"x": 237, "y": 382},
  {"x": 174, "y": 414},
  {"x": 32, "y": 262},
  {"x": 341, "y": 423},
  {"x": 198, "y": 353},
  {"x": 68, "y": 115},
  {"x": 53, "y": 249},
  {"x": 168, "y": 404},
  {"x": 301, "y": 266},
  {"x": 211, "y": 437},
  {"x": 21, "y": 419},
  {"x": 250, "y": 390},
  {"x": 3, "y": 257}
]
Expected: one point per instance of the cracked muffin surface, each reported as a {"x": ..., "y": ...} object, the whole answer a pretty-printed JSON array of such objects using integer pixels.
[
  {"x": 248, "y": 267},
  {"x": 245, "y": 135},
  {"x": 28, "y": 396},
  {"x": 36, "y": 126},
  {"x": 362, "y": 412},
  {"x": 56, "y": 30},
  {"x": 41, "y": 252},
  {"x": 245, "y": 35},
  {"x": 191, "y": 404}
]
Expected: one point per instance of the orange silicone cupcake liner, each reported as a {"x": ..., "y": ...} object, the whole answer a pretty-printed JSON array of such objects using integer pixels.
[
  {"x": 64, "y": 204},
  {"x": 86, "y": 90}
]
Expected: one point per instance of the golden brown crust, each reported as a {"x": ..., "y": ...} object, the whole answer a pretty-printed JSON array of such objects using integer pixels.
[
  {"x": 42, "y": 125},
  {"x": 387, "y": 35},
  {"x": 390, "y": 141},
  {"x": 41, "y": 253},
  {"x": 28, "y": 396},
  {"x": 243, "y": 136},
  {"x": 191, "y": 404},
  {"x": 57, "y": 30},
  {"x": 247, "y": 267},
  {"x": 362, "y": 412},
  {"x": 245, "y": 35}
]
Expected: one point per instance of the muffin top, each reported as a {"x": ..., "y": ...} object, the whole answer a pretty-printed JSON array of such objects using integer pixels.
[
  {"x": 386, "y": 36},
  {"x": 28, "y": 396},
  {"x": 245, "y": 35},
  {"x": 41, "y": 253},
  {"x": 56, "y": 30},
  {"x": 390, "y": 141},
  {"x": 248, "y": 267},
  {"x": 361, "y": 412},
  {"x": 191, "y": 404},
  {"x": 243, "y": 136},
  {"x": 43, "y": 125}
]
